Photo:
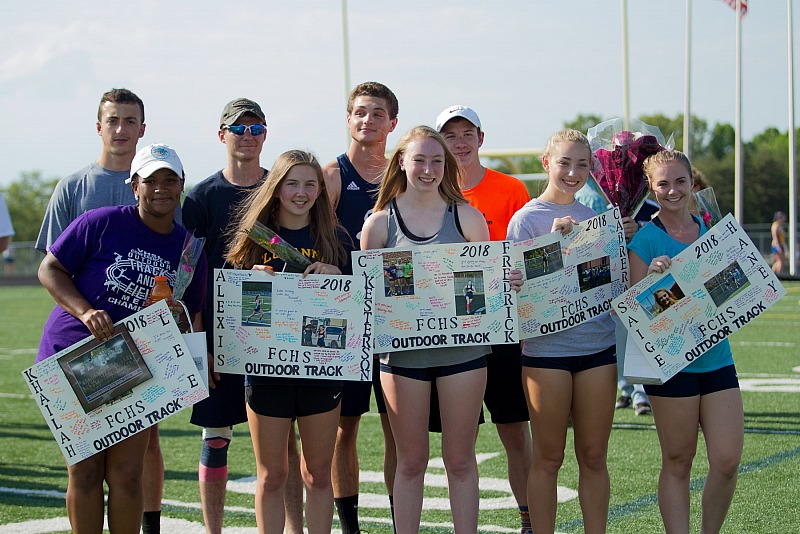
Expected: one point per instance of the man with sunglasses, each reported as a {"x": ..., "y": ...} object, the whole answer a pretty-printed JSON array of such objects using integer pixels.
[
  {"x": 120, "y": 124},
  {"x": 208, "y": 212}
]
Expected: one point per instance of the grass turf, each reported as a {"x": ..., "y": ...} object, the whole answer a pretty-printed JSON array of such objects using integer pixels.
[{"x": 33, "y": 475}]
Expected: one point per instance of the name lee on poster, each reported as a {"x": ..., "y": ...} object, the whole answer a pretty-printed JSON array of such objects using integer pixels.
[{"x": 122, "y": 423}]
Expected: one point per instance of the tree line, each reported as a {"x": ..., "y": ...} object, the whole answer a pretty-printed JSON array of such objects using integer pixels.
[
  {"x": 765, "y": 160},
  {"x": 765, "y": 177}
]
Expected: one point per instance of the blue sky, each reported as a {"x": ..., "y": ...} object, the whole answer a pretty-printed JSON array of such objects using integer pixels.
[{"x": 524, "y": 66}]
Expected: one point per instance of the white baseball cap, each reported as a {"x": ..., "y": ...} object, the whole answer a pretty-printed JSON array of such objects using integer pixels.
[
  {"x": 154, "y": 157},
  {"x": 457, "y": 111}
]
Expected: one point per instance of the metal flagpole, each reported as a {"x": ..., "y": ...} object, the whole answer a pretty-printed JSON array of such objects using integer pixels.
[
  {"x": 687, "y": 127},
  {"x": 792, "y": 153},
  {"x": 346, "y": 39},
  {"x": 626, "y": 117},
  {"x": 737, "y": 176}
]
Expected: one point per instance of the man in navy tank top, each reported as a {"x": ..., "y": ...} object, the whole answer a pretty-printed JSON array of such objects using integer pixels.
[{"x": 352, "y": 181}]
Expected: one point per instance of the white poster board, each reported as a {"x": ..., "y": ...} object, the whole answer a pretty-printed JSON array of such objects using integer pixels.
[
  {"x": 716, "y": 286},
  {"x": 636, "y": 369},
  {"x": 284, "y": 325},
  {"x": 95, "y": 394},
  {"x": 573, "y": 278},
  {"x": 433, "y": 296}
]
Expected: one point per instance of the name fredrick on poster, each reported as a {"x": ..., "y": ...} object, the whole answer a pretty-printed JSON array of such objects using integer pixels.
[{"x": 453, "y": 323}]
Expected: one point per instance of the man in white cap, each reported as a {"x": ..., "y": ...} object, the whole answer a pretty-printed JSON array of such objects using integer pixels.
[
  {"x": 100, "y": 271},
  {"x": 120, "y": 124},
  {"x": 498, "y": 196}
]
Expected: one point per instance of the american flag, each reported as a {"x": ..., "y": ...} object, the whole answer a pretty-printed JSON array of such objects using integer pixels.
[{"x": 732, "y": 3}]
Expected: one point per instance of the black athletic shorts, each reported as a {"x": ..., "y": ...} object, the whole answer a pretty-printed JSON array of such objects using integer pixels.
[
  {"x": 692, "y": 384},
  {"x": 573, "y": 364},
  {"x": 292, "y": 401}
]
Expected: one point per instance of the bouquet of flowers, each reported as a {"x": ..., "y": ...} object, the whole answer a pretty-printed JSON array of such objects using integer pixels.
[
  {"x": 618, "y": 158},
  {"x": 192, "y": 248},
  {"x": 271, "y": 241},
  {"x": 707, "y": 207}
]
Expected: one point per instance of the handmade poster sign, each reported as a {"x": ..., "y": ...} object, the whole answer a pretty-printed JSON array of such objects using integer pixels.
[
  {"x": 284, "y": 325},
  {"x": 635, "y": 369},
  {"x": 713, "y": 288},
  {"x": 571, "y": 279},
  {"x": 432, "y": 296},
  {"x": 96, "y": 393}
]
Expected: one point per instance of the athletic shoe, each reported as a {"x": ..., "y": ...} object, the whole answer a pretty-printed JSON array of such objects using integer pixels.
[
  {"x": 624, "y": 401},
  {"x": 644, "y": 409}
]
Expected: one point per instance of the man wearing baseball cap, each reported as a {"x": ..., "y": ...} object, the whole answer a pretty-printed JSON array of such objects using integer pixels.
[
  {"x": 498, "y": 196},
  {"x": 155, "y": 157},
  {"x": 208, "y": 211},
  {"x": 99, "y": 271}
]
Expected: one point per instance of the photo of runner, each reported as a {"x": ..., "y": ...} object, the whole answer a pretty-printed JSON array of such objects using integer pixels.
[
  {"x": 660, "y": 296},
  {"x": 730, "y": 281},
  {"x": 594, "y": 273},
  {"x": 469, "y": 293},
  {"x": 542, "y": 261},
  {"x": 256, "y": 303}
]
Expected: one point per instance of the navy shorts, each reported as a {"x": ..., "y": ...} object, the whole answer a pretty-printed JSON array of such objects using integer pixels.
[
  {"x": 290, "y": 401},
  {"x": 573, "y": 364},
  {"x": 693, "y": 384},
  {"x": 355, "y": 398},
  {"x": 430, "y": 374},
  {"x": 377, "y": 388},
  {"x": 435, "y": 416},
  {"x": 224, "y": 405},
  {"x": 504, "y": 396}
]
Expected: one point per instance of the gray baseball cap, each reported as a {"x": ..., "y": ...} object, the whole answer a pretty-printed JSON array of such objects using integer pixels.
[{"x": 236, "y": 108}]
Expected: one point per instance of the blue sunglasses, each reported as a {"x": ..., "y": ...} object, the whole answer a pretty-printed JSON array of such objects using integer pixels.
[{"x": 254, "y": 129}]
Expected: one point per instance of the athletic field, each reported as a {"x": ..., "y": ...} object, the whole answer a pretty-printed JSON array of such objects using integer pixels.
[{"x": 767, "y": 352}]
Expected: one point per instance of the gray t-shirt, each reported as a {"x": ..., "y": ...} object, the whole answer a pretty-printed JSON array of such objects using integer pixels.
[
  {"x": 533, "y": 220},
  {"x": 87, "y": 189}
]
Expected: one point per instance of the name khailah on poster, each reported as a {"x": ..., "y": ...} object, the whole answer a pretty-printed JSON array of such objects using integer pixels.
[
  {"x": 571, "y": 279},
  {"x": 432, "y": 296},
  {"x": 284, "y": 325},
  {"x": 716, "y": 286},
  {"x": 95, "y": 394}
]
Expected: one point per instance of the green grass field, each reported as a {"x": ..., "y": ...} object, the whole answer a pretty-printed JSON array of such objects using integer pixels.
[{"x": 33, "y": 474}]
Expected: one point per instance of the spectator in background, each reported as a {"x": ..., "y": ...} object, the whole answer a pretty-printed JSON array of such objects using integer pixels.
[
  {"x": 700, "y": 182},
  {"x": 778, "y": 242},
  {"x": 6, "y": 228},
  {"x": 629, "y": 394}
]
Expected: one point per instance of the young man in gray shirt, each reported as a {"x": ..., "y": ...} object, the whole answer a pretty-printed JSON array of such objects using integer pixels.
[{"x": 120, "y": 124}]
